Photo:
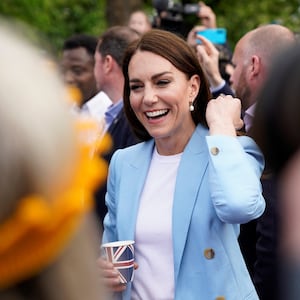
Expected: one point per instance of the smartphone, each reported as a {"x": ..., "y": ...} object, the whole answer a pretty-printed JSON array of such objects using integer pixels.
[{"x": 215, "y": 35}]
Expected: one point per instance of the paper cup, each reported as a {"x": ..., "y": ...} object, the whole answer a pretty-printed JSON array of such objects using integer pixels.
[{"x": 121, "y": 254}]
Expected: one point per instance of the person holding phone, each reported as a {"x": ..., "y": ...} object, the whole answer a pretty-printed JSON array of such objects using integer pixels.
[
  {"x": 214, "y": 67},
  {"x": 214, "y": 54}
]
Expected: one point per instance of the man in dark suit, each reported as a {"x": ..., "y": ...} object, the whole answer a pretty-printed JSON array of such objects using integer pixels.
[
  {"x": 252, "y": 58},
  {"x": 109, "y": 77}
]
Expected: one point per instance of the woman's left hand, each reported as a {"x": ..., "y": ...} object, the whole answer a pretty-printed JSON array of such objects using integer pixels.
[{"x": 223, "y": 115}]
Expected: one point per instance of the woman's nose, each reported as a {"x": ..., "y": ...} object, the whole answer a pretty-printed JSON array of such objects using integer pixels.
[{"x": 150, "y": 96}]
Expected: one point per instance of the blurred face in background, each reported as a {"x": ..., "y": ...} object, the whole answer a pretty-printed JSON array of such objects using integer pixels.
[
  {"x": 139, "y": 22},
  {"x": 78, "y": 70}
]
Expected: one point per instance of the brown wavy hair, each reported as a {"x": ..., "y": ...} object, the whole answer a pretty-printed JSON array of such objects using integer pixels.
[{"x": 179, "y": 54}]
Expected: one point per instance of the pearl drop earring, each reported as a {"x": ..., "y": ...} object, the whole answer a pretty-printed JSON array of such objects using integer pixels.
[{"x": 191, "y": 106}]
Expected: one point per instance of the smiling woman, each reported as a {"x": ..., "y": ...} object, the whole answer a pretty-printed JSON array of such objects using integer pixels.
[
  {"x": 186, "y": 194},
  {"x": 160, "y": 96}
]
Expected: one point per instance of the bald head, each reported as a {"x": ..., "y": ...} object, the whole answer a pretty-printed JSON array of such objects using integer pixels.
[
  {"x": 267, "y": 41},
  {"x": 253, "y": 57}
]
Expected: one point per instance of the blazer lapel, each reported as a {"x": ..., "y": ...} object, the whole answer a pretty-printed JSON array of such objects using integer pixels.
[
  {"x": 188, "y": 182},
  {"x": 192, "y": 167},
  {"x": 134, "y": 176}
]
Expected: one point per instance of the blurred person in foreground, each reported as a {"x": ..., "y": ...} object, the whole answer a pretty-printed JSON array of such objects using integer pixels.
[
  {"x": 77, "y": 65},
  {"x": 276, "y": 127},
  {"x": 48, "y": 238},
  {"x": 253, "y": 57},
  {"x": 181, "y": 193}
]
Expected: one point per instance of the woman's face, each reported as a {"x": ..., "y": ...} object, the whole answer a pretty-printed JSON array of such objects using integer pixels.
[{"x": 160, "y": 96}]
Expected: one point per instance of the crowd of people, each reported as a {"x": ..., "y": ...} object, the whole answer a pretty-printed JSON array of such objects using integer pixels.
[{"x": 200, "y": 168}]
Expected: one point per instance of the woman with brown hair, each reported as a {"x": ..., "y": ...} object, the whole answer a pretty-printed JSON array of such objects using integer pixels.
[{"x": 182, "y": 193}]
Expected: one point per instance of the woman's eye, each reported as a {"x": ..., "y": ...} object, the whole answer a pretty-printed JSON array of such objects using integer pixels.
[
  {"x": 134, "y": 87},
  {"x": 163, "y": 82}
]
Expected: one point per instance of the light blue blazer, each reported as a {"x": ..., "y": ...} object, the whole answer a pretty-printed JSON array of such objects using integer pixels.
[{"x": 217, "y": 188}]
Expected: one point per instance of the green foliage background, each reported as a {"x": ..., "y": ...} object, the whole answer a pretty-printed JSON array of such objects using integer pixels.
[
  {"x": 54, "y": 20},
  {"x": 241, "y": 16},
  {"x": 51, "y": 21}
]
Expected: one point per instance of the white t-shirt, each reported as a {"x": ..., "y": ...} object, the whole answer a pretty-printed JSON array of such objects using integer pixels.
[{"x": 154, "y": 278}]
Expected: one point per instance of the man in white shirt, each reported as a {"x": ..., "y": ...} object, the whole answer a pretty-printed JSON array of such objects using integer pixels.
[
  {"x": 77, "y": 65},
  {"x": 97, "y": 106}
]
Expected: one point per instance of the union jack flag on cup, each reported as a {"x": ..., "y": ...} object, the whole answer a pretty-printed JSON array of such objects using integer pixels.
[{"x": 123, "y": 259}]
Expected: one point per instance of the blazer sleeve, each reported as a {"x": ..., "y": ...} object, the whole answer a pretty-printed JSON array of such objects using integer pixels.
[{"x": 235, "y": 168}]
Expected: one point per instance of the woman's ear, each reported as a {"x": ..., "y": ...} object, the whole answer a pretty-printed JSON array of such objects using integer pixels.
[{"x": 194, "y": 86}]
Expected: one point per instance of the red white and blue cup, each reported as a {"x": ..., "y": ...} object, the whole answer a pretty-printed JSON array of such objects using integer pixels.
[{"x": 121, "y": 254}]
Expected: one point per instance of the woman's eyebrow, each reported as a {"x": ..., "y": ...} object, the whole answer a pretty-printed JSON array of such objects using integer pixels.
[{"x": 152, "y": 77}]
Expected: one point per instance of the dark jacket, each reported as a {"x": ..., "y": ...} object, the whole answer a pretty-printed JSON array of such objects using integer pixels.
[{"x": 259, "y": 244}]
